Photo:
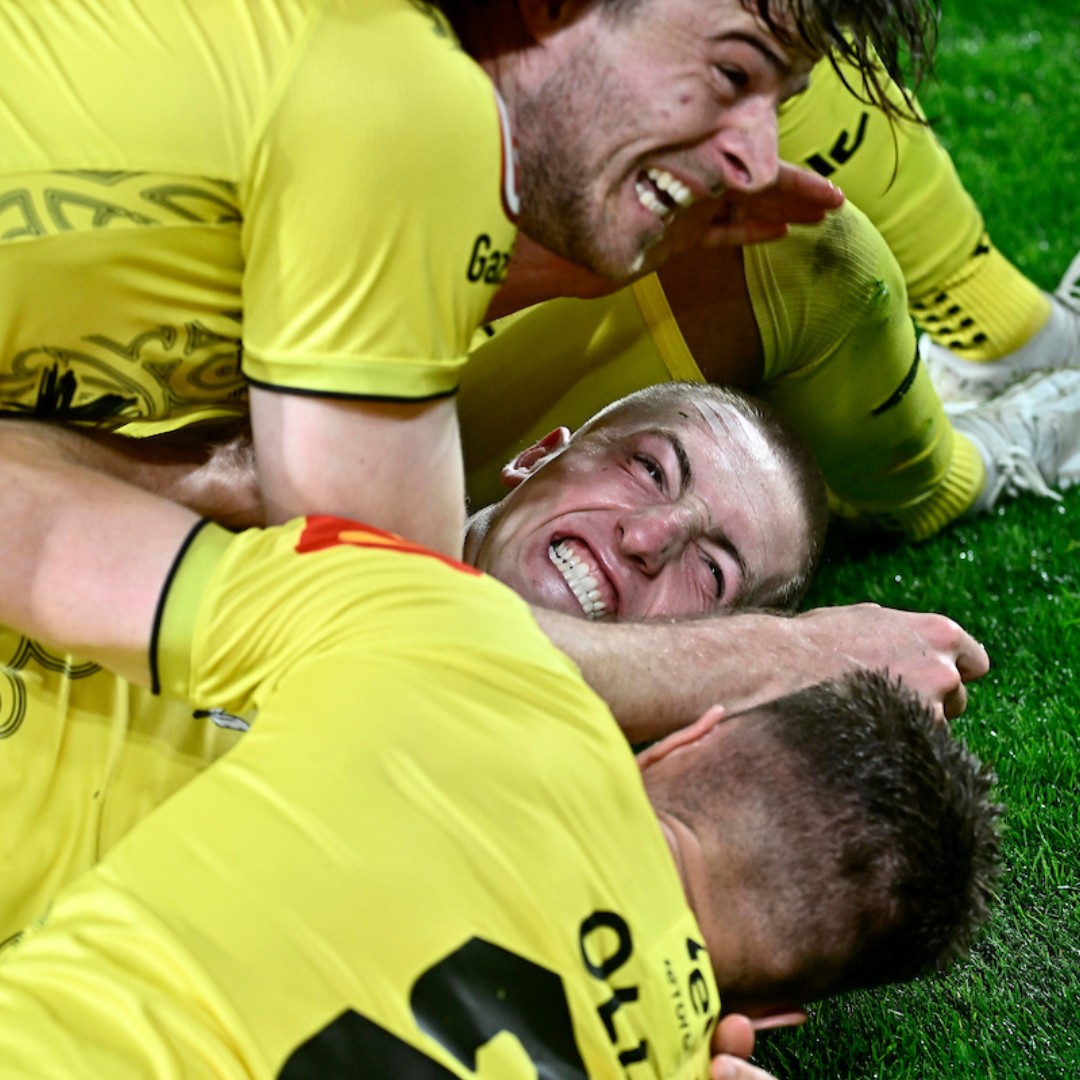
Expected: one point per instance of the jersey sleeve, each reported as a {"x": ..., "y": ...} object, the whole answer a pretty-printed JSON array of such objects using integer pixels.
[
  {"x": 375, "y": 231},
  {"x": 334, "y": 584}
]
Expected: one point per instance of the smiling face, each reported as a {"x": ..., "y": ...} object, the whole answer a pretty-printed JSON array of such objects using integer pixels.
[
  {"x": 676, "y": 513},
  {"x": 623, "y": 119}
]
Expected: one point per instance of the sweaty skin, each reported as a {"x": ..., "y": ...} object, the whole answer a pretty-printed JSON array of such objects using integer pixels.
[{"x": 684, "y": 516}]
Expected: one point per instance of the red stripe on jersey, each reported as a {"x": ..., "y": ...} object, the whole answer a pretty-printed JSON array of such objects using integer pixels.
[{"x": 322, "y": 531}]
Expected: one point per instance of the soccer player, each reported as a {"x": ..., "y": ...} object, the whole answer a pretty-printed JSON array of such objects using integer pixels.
[
  {"x": 434, "y": 832},
  {"x": 732, "y": 659},
  {"x": 83, "y": 754},
  {"x": 330, "y": 192},
  {"x": 817, "y": 324}
]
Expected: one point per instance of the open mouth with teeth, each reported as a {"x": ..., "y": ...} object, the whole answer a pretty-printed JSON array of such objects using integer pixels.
[
  {"x": 661, "y": 193},
  {"x": 580, "y": 578}
]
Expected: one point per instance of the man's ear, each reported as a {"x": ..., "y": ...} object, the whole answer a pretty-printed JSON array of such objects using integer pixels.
[
  {"x": 530, "y": 459},
  {"x": 683, "y": 737}
]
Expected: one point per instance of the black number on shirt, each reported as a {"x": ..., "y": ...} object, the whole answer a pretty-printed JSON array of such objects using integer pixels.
[{"x": 462, "y": 1002}]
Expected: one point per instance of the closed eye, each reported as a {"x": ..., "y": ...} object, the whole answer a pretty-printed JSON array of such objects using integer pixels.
[{"x": 736, "y": 76}]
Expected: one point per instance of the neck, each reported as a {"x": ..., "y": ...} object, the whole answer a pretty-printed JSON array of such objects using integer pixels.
[
  {"x": 476, "y": 529},
  {"x": 537, "y": 274}
]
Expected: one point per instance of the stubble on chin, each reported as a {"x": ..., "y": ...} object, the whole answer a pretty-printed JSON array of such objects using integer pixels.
[{"x": 555, "y": 178}]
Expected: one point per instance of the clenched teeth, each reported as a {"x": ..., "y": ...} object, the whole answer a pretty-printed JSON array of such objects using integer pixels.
[
  {"x": 667, "y": 183},
  {"x": 675, "y": 190},
  {"x": 576, "y": 574}
]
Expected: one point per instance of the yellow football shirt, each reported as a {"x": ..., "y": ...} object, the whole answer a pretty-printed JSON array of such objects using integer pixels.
[
  {"x": 432, "y": 853},
  {"x": 306, "y": 193},
  {"x": 83, "y": 757}
]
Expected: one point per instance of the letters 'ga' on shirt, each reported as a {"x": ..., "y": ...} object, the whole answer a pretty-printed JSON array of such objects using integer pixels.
[
  {"x": 317, "y": 186},
  {"x": 839, "y": 366},
  {"x": 432, "y": 853}
]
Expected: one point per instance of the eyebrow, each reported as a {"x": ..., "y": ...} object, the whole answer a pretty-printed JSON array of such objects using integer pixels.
[
  {"x": 686, "y": 479},
  {"x": 776, "y": 59}
]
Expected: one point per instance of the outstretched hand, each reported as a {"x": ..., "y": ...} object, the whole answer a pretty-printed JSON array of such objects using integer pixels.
[
  {"x": 733, "y": 219},
  {"x": 658, "y": 676},
  {"x": 933, "y": 655}
]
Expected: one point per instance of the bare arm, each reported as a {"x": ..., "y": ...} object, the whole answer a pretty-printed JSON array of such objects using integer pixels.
[
  {"x": 396, "y": 466},
  {"x": 210, "y": 470},
  {"x": 83, "y": 556},
  {"x": 660, "y": 676}
]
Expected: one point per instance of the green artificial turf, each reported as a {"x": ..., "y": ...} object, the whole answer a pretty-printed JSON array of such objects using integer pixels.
[{"x": 1005, "y": 104}]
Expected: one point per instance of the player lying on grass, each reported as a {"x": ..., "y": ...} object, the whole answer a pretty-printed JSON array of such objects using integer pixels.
[
  {"x": 434, "y": 831},
  {"x": 323, "y": 248},
  {"x": 84, "y": 754},
  {"x": 676, "y": 504},
  {"x": 817, "y": 323}
]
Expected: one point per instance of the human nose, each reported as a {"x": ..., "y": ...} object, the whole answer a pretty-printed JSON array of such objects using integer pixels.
[
  {"x": 654, "y": 537},
  {"x": 748, "y": 157}
]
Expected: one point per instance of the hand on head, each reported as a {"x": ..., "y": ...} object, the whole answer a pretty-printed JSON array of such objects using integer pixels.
[{"x": 733, "y": 1043}]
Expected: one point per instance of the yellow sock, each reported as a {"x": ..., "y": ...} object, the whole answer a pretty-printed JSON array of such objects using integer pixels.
[{"x": 985, "y": 309}]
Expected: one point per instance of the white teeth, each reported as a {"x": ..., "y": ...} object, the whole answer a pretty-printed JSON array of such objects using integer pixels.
[
  {"x": 670, "y": 186},
  {"x": 576, "y": 574},
  {"x": 651, "y": 202}
]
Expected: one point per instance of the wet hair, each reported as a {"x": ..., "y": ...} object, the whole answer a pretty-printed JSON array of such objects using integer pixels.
[
  {"x": 878, "y": 38},
  {"x": 886, "y": 41},
  {"x": 801, "y": 468},
  {"x": 875, "y": 831}
]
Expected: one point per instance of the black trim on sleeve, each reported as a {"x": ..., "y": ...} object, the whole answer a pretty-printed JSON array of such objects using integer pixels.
[
  {"x": 155, "y": 681},
  {"x": 388, "y": 398}
]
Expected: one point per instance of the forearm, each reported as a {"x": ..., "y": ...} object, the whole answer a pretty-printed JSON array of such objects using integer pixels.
[
  {"x": 659, "y": 676},
  {"x": 83, "y": 556},
  {"x": 395, "y": 466},
  {"x": 209, "y": 470}
]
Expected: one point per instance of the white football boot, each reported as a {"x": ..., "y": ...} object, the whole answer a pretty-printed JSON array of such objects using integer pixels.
[{"x": 1029, "y": 437}]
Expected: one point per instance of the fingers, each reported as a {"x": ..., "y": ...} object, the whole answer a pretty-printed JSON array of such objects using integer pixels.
[
  {"x": 954, "y": 703},
  {"x": 973, "y": 661},
  {"x": 792, "y": 1018},
  {"x": 963, "y": 660},
  {"x": 726, "y": 1067},
  {"x": 797, "y": 192},
  {"x": 734, "y": 1036},
  {"x": 933, "y": 655},
  {"x": 743, "y": 233},
  {"x": 807, "y": 186}
]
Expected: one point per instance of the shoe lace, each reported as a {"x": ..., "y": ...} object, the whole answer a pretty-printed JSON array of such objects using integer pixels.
[
  {"x": 1012, "y": 442},
  {"x": 1068, "y": 289},
  {"x": 1017, "y": 473}
]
